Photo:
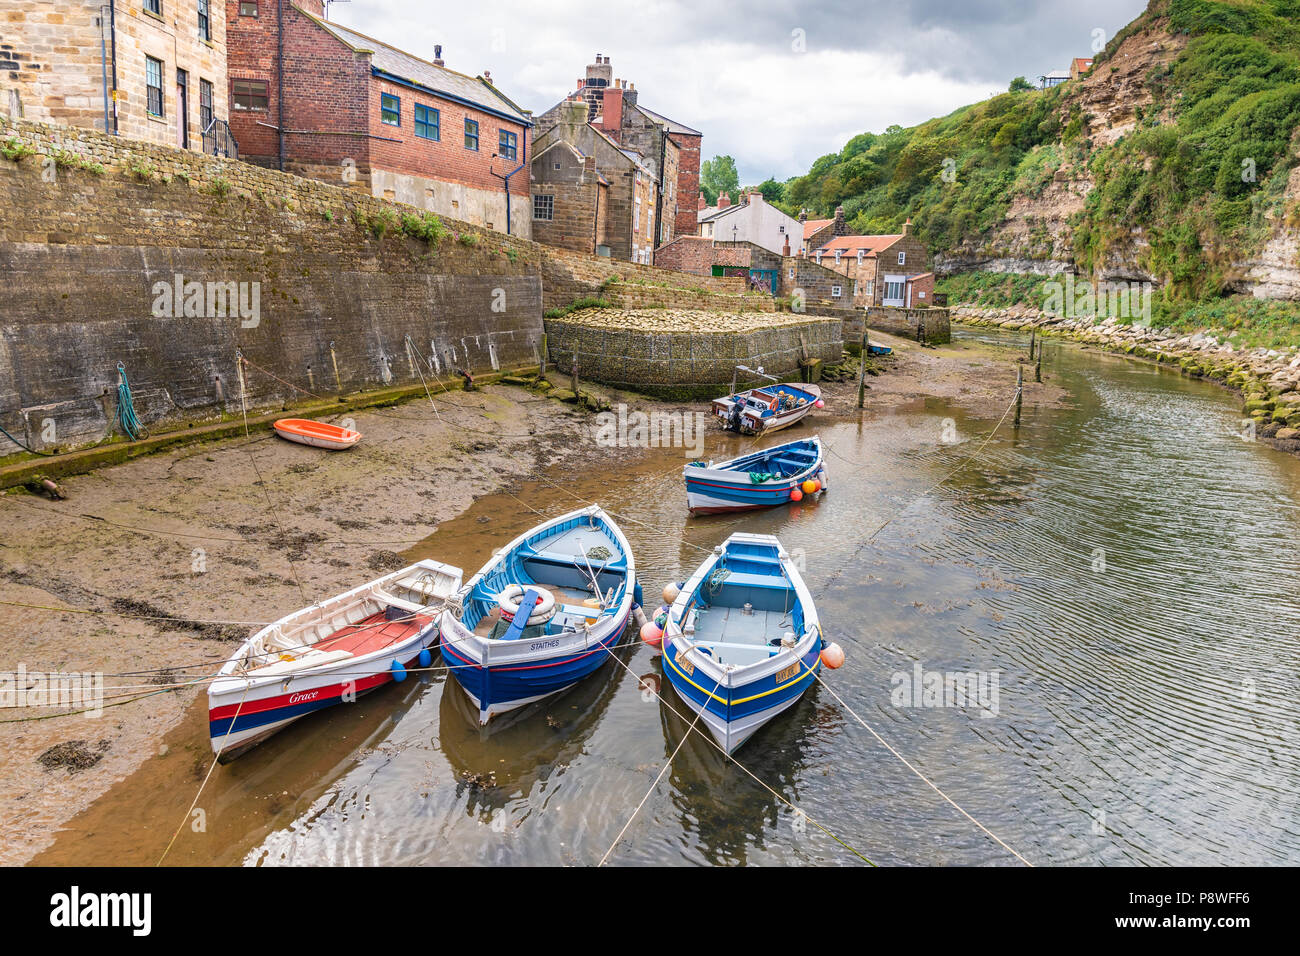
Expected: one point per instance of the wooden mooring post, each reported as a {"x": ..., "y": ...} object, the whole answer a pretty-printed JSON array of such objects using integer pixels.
[
  {"x": 862, "y": 367},
  {"x": 1038, "y": 365},
  {"x": 1020, "y": 393},
  {"x": 1032, "y": 335}
]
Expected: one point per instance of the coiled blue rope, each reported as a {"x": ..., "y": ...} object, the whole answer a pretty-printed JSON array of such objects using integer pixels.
[{"x": 126, "y": 417}]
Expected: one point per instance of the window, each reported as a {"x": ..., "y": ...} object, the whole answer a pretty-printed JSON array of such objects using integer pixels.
[
  {"x": 902, "y": 258},
  {"x": 835, "y": 291},
  {"x": 248, "y": 8},
  {"x": 544, "y": 208},
  {"x": 249, "y": 94},
  {"x": 205, "y": 28},
  {"x": 426, "y": 122},
  {"x": 153, "y": 70},
  {"x": 154, "y": 7},
  {"x": 390, "y": 109},
  {"x": 894, "y": 290},
  {"x": 471, "y": 134},
  {"x": 205, "y": 105},
  {"x": 508, "y": 148}
]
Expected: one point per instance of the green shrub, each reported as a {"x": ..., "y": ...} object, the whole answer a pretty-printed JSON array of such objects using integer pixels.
[
  {"x": 426, "y": 227},
  {"x": 220, "y": 187}
]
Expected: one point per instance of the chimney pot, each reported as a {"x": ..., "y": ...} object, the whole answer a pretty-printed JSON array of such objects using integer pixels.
[{"x": 437, "y": 54}]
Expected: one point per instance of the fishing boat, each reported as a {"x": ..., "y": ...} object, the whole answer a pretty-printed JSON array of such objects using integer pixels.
[
  {"x": 742, "y": 641},
  {"x": 317, "y": 434},
  {"x": 542, "y": 614},
  {"x": 879, "y": 349},
  {"x": 767, "y": 409},
  {"x": 330, "y": 652},
  {"x": 762, "y": 479}
]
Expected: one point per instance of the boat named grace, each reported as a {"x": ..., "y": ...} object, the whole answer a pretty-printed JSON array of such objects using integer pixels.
[{"x": 326, "y": 654}]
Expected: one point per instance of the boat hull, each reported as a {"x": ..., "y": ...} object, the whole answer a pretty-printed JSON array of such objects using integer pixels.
[
  {"x": 238, "y": 719},
  {"x": 755, "y": 422},
  {"x": 503, "y": 674},
  {"x": 316, "y": 434},
  {"x": 719, "y": 489},
  {"x": 500, "y": 688},
  {"x": 733, "y": 714}
]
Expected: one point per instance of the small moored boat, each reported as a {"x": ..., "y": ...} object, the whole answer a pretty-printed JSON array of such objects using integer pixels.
[
  {"x": 542, "y": 614},
  {"x": 762, "y": 479},
  {"x": 330, "y": 652},
  {"x": 742, "y": 641},
  {"x": 767, "y": 409},
  {"x": 317, "y": 434}
]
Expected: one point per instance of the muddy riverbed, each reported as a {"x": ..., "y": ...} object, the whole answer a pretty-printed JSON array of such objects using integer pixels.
[{"x": 177, "y": 554}]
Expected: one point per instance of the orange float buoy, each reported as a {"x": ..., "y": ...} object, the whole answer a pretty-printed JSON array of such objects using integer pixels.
[
  {"x": 652, "y": 633},
  {"x": 796, "y": 494},
  {"x": 833, "y": 656},
  {"x": 809, "y": 486},
  {"x": 817, "y": 485}
]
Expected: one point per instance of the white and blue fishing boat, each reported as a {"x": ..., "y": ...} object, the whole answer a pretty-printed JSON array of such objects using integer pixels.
[
  {"x": 762, "y": 479},
  {"x": 542, "y": 614},
  {"x": 766, "y": 409},
  {"x": 742, "y": 641}
]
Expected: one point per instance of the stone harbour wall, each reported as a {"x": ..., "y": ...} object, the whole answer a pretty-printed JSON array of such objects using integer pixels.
[{"x": 674, "y": 360}]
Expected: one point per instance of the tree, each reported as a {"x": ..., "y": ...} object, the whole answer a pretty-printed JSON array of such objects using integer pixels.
[
  {"x": 773, "y": 192},
  {"x": 719, "y": 175},
  {"x": 1019, "y": 84}
]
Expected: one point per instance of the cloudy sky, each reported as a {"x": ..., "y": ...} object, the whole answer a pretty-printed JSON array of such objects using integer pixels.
[{"x": 774, "y": 84}]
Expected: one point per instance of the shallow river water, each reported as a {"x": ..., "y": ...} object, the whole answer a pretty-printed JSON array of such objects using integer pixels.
[{"x": 1122, "y": 574}]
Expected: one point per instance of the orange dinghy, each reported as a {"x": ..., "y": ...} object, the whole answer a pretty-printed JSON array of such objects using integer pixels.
[{"x": 318, "y": 434}]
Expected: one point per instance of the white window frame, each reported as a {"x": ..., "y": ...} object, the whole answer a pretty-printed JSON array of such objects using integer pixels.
[
  {"x": 836, "y": 291},
  {"x": 902, "y": 258}
]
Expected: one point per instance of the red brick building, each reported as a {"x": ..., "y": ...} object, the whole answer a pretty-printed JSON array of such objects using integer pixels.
[
  {"x": 320, "y": 100},
  {"x": 670, "y": 149}
]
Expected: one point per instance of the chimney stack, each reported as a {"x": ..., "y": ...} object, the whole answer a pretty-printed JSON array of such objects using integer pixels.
[
  {"x": 437, "y": 54},
  {"x": 785, "y": 249},
  {"x": 723, "y": 200},
  {"x": 840, "y": 228},
  {"x": 907, "y": 226},
  {"x": 702, "y": 203},
  {"x": 487, "y": 75}
]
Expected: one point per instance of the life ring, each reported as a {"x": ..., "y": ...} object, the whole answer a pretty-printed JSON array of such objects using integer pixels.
[{"x": 510, "y": 596}]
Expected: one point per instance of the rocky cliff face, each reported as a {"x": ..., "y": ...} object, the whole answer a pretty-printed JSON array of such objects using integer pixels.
[
  {"x": 1035, "y": 236},
  {"x": 1275, "y": 272}
]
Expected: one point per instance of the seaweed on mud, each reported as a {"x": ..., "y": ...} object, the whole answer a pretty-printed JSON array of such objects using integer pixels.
[
  {"x": 207, "y": 631},
  {"x": 73, "y": 755},
  {"x": 384, "y": 561}
]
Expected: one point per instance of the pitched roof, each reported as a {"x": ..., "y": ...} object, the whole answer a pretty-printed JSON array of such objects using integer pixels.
[
  {"x": 1082, "y": 63},
  {"x": 671, "y": 125},
  {"x": 473, "y": 90},
  {"x": 849, "y": 245},
  {"x": 812, "y": 226}
]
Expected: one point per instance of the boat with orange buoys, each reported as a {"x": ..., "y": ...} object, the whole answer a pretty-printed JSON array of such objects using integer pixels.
[{"x": 742, "y": 640}]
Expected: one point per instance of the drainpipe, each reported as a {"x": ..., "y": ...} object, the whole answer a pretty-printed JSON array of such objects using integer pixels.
[
  {"x": 103, "y": 65},
  {"x": 279, "y": 70},
  {"x": 505, "y": 180},
  {"x": 112, "y": 34},
  {"x": 595, "y": 223}
]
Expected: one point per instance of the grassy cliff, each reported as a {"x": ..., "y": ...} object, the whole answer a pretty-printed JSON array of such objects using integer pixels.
[{"x": 1171, "y": 160}]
